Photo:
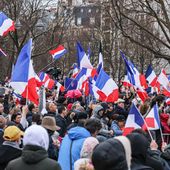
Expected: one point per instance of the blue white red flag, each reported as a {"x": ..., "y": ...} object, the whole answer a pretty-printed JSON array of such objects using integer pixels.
[
  {"x": 83, "y": 60},
  {"x": 151, "y": 76},
  {"x": 133, "y": 73},
  {"x": 58, "y": 52},
  {"x": 134, "y": 121},
  {"x": 47, "y": 81},
  {"x": 6, "y": 24},
  {"x": 163, "y": 80},
  {"x": 23, "y": 79},
  {"x": 107, "y": 86},
  {"x": 152, "y": 119}
]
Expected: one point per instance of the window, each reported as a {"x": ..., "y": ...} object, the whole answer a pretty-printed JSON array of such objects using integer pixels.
[
  {"x": 89, "y": 11},
  {"x": 92, "y": 21},
  {"x": 79, "y": 21},
  {"x": 97, "y": 10}
]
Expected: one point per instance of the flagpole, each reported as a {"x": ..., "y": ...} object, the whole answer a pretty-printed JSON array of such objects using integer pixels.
[
  {"x": 146, "y": 126},
  {"x": 148, "y": 130},
  {"x": 46, "y": 66}
]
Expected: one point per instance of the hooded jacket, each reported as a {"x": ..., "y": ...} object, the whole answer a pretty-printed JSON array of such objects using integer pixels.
[
  {"x": 35, "y": 158},
  {"x": 72, "y": 143},
  {"x": 140, "y": 145},
  {"x": 8, "y": 152}
]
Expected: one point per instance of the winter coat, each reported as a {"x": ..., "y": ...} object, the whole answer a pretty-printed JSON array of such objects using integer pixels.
[
  {"x": 104, "y": 130},
  {"x": 1, "y": 136},
  {"x": 139, "y": 145},
  {"x": 120, "y": 111},
  {"x": 8, "y": 153},
  {"x": 62, "y": 123},
  {"x": 72, "y": 143},
  {"x": 34, "y": 158},
  {"x": 116, "y": 129}
]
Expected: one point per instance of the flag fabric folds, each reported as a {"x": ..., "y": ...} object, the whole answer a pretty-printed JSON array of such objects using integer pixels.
[
  {"x": 163, "y": 80},
  {"x": 6, "y": 24},
  {"x": 23, "y": 78},
  {"x": 152, "y": 119},
  {"x": 107, "y": 86},
  {"x": 58, "y": 52},
  {"x": 47, "y": 81},
  {"x": 151, "y": 76},
  {"x": 134, "y": 120},
  {"x": 83, "y": 60}
]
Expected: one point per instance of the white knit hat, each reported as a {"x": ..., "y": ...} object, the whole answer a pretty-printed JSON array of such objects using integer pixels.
[{"x": 36, "y": 135}]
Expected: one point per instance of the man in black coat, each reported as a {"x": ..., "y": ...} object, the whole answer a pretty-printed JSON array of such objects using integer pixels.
[
  {"x": 10, "y": 150},
  {"x": 61, "y": 121}
]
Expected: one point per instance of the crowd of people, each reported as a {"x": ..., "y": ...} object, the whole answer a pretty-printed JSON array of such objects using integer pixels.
[{"x": 78, "y": 135}]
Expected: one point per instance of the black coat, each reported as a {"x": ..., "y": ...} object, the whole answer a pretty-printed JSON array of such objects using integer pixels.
[
  {"x": 33, "y": 158},
  {"x": 62, "y": 123},
  {"x": 8, "y": 153},
  {"x": 1, "y": 136}
]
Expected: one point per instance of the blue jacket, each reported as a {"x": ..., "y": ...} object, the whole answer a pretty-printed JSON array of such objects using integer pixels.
[
  {"x": 76, "y": 136},
  {"x": 116, "y": 129}
]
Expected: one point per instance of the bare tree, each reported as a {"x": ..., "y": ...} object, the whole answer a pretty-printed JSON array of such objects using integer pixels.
[
  {"x": 39, "y": 20},
  {"x": 145, "y": 23}
]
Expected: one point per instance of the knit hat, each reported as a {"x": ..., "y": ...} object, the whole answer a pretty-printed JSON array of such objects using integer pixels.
[
  {"x": 111, "y": 154},
  {"x": 36, "y": 135},
  {"x": 49, "y": 123},
  {"x": 88, "y": 146},
  {"x": 12, "y": 133}
]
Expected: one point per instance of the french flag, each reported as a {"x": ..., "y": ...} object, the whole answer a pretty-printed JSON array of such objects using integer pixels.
[
  {"x": 70, "y": 84},
  {"x": 107, "y": 86},
  {"x": 152, "y": 119},
  {"x": 163, "y": 80},
  {"x": 17, "y": 97},
  {"x": 83, "y": 60},
  {"x": 58, "y": 52},
  {"x": 2, "y": 53},
  {"x": 83, "y": 75},
  {"x": 134, "y": 120},
  {"x": 133, "y": 73},
  {"x": 126, "y": 82},
  {"x": 142, "y": 94},
  {"x": 47, "y": 81},
  {"x": 6, "y": 24},
  {"x": 23, "y": 79},
  {"x": 151, "y": 76},
  {"x": 75, "y": 70}
]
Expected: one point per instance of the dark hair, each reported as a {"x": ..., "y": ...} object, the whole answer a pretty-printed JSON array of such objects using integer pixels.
[
  {"x": 61, "y": 108},
  {"x": 92, "y": 125},
  {"x": 30, "y": 107},
  {"x": 36, "y": 118},
  {"x": 13, "y": 117}
]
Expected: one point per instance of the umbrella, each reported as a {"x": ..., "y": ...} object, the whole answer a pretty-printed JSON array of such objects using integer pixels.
[{"x": 73, "y": 94}]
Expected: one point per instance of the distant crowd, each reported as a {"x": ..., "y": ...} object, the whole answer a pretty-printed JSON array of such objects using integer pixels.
[{"x": 78, "y": 135}]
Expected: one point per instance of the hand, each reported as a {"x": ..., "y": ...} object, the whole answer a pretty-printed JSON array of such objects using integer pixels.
[
  {"x": 25, "y": 110},
  {"x": 111, "y": 132},
  {"x": 164, "y": 144},
  {"x": 153, "y": 145}
]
